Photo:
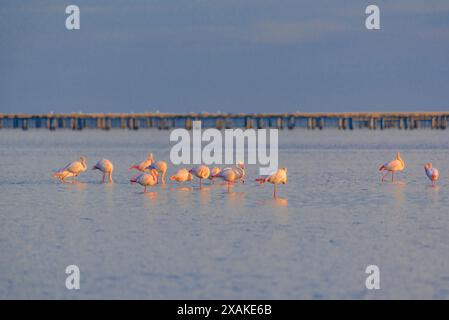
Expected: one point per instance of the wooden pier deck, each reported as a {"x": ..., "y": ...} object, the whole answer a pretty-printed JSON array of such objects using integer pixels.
[{"x": 166, "y": 121}]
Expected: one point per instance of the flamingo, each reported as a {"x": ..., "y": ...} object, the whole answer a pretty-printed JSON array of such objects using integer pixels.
[
  {"x": 106, "y": 167},
  {"x": 72, "y": 169},
  {"x": 393, "y": 166},
  {"x": 432, "y": 173},
  {"x": 214, "y": 172},
  {"x": 160, "y": 166},
  {"x": 229, "y": 175},
  {"x": 276, "y": 178},
  {"x": 201, "y": 172},
  {"x": 240, "y": 170},
  {"x": 144, "y": 164},
  {"x": 182, "y": 175},
  {"x": 145, "y": 179}
]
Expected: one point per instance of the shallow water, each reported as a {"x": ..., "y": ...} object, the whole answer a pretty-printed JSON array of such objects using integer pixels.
[{"x": 333, "y": 219}]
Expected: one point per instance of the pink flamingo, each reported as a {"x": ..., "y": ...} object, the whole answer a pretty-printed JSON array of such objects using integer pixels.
[
  {"x": 276, "y": 178},
  {"x": 106, "y": 167},
  {"x": 229, "y": 175},
  {"x": 240, "y": 170},
  {"x": 201, "y": 172},
  {"x": 393, "y": 166},
  {"x": 182, "y": 175},
  {"x": 159, "y": 166},
  {"x": 432, "y": 173},
  {"x": 72, "y": 169},
  {"x": 144, "y": 164},
  {"x": 214, "y": 172},
  {"x": 145, "y": 179}
]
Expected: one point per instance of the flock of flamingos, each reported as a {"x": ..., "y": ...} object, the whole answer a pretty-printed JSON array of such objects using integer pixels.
[{"x": 149, "y": 171}]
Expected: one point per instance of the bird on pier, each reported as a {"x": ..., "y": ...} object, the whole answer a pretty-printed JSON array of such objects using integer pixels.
[
  {"x": 106, "y": 167},
  {"x": 159, "y": 166},
  {"x": 431, "y": 172},
  {"x": 182, "y": 175},
  {"x": 201, "y": 172},
  {"x": 142, "y": 166},
  {"x": 72, "y": 169},
  {"x": 393, "y": 166},
  {"x": 280, "y": 176},
  {"x": 145, "y": 179}
]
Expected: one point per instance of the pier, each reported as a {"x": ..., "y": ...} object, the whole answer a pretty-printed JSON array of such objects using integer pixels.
[{"x": 166, "y": 121}]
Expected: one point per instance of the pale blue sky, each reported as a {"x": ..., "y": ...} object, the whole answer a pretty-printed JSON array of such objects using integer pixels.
[{"x": 224, "y": 55}]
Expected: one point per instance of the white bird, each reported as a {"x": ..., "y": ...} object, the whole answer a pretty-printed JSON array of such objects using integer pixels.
[
  {"x": 106, "y": 167},
  {"x": 72, "y": 169},
  {"x": 393, "y": 166},
  {"x": 432, "y": 173},
  {"x": 276, "y": 178},
  {"x": 145, "y": 179}
]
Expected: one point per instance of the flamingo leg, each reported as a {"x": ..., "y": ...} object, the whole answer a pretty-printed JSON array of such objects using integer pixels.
[
  {"x": 392, "y": 176},
  {"x": 274, "y": 194},
  {"x": 383, "y": 177},
  {"x": 200, "y": 182},
  {"x": 229, "y": 186},
  {"x": 110, "y": 177},
  {"x": 104, "y": 174},
  {"x": 145, "y": 189}
]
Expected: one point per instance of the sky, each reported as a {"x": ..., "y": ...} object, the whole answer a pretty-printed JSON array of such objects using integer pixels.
[{"x": 223, "y": 56}]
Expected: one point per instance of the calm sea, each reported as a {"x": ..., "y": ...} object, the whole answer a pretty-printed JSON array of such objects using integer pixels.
[{"x": 332, "y": 220}]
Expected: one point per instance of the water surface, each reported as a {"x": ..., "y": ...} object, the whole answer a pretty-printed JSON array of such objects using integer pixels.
[{"x": 333, "y": 219}]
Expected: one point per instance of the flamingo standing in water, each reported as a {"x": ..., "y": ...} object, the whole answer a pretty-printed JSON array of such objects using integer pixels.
[
  {"x": 182, "y": 175},
  {"x": 160, "y": 166},
  {"x": 393, "y": 166},
  {"x": 276, "y": 178},
  {"x": 106, "y": 167},
  {"x": 214, "y": 172},
  {"x": 144, "y": 164},
  {"x": 229, "y": 175},
  {"x": 201, "y": 172},
  {"x": 240, "y": 170},
  {"x": 72, "y": 169},
  {"x": 432, "y": 173},
  {"x": 145, "y": 179}
]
